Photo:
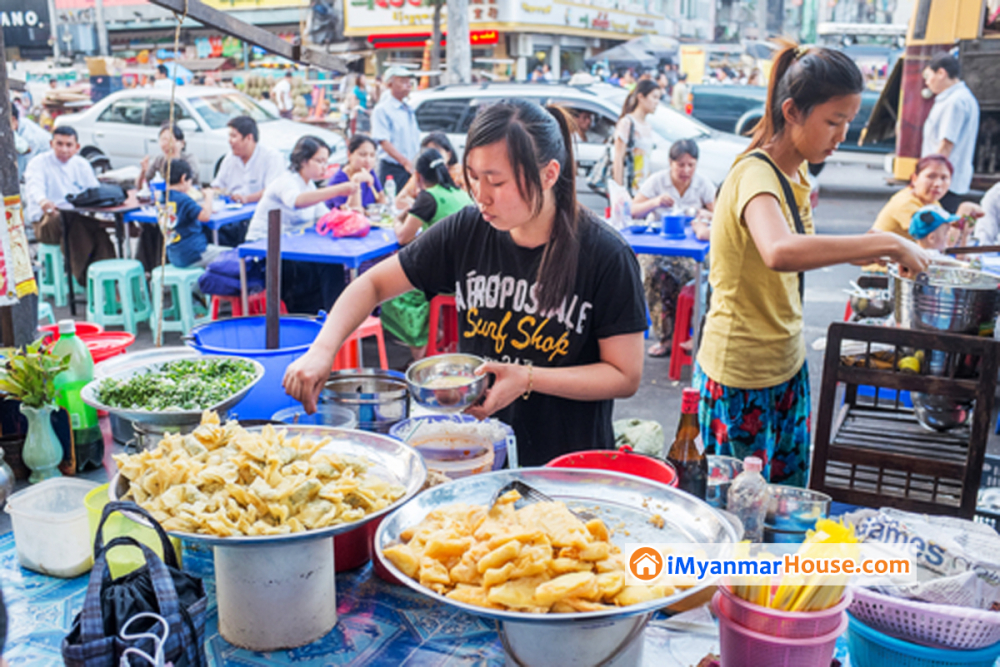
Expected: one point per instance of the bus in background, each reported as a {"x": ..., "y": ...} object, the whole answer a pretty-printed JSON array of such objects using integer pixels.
[{"x": 970, "y": 30}]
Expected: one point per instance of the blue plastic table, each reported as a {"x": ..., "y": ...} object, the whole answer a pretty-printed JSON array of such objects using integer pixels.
[
  {"x": 308, "y": 246},
  {"x": 646, "y": 243},
  {"x": 227, "y": 216}
]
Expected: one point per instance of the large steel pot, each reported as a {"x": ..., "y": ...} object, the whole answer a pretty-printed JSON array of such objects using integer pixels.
[
  {"x": 945, "y": 299},
  {"x": 950, "y": 299}
]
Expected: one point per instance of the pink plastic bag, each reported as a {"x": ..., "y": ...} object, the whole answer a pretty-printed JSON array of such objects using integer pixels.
[{"x": 343, "y": 224}]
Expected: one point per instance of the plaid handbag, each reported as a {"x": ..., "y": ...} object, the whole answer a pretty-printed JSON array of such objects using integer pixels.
[{"x": 159, "y": 587}]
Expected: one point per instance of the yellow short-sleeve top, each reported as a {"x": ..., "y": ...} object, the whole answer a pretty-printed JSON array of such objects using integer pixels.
[
  {"x": 753, "y": 331},
  {"x": 895, "y": 216}
]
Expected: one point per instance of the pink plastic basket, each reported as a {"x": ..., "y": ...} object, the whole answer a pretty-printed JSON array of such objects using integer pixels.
[
  {"x": 740, "y": 646},
  {"x": 935, "y": 625},
  {"x": 777, "y": 623}
]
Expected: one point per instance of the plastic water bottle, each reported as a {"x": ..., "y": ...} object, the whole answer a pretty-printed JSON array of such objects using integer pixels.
[
  {"x": 158, "y": 185},
  {"x": 390, "y": 193},
  {"x": 748, "y": 498},
  {"x": 88, "y": 441}
]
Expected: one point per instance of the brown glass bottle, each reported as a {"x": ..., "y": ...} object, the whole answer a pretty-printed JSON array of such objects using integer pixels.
[{"x": 687, "y": 453}]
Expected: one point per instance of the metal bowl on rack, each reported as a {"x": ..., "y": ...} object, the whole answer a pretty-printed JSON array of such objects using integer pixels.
[{"x": 254, "y": 575}]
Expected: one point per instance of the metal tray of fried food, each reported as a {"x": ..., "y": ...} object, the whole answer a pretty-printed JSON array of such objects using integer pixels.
[
  {"x": 627, "y": 504},
  {"x": 167, "y": 418},
  {"x": 392, "y": 460}
]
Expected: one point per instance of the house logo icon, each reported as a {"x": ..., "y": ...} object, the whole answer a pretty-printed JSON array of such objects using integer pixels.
[{"x": 646, "y": 563}]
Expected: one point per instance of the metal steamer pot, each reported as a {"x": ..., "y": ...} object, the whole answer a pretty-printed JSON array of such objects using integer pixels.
[
  {"x": 951, "y": 300},
  {"x": 378, "y": 398}
]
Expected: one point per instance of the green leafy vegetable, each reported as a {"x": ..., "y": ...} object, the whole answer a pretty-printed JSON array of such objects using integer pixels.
[
  {"x": 29, "y": 374},
  {"x": 186, "y": 384}
]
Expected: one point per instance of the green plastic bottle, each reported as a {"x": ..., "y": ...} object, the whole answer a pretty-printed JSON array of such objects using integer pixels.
[{"x": 88, "y": 441}]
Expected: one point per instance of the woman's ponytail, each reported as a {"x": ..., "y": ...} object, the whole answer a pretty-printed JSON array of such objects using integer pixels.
[{"x": 809, "y": 76}]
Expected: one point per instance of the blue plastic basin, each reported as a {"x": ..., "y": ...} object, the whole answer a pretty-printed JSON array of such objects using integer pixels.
[{"x": 245, "y": 337}]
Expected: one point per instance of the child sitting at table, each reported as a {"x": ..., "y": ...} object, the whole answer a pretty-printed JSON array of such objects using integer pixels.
[
  {"x": 186, "y": 242},
  {"x": 930, "y": 227}
]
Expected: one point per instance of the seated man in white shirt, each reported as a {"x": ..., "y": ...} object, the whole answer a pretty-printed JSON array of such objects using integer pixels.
[
  {"x": 247, "y": 168},
  {"x": 49, "y": 178},
  {"x": 36, "y": 140}
]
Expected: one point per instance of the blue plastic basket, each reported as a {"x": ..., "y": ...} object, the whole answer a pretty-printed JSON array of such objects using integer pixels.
[{"x": 871, "y": 648}]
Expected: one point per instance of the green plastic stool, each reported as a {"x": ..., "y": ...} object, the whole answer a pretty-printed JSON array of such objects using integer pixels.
[
  {"x": 182, "y": 283},
  {"x": 117, "y": 293},
  {"x": 52, "y": 279},
  {"x": 45, "y": 312}
]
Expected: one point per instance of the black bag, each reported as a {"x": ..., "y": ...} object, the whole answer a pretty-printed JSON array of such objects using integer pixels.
[
  {"x": 159, "y": 587},
  {"x": 103, "y": 196}
]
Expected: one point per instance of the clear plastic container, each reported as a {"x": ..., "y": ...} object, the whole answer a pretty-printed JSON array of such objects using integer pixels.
[
  {"x": 748, "y": 498},
  {"x": 325, "y": 415},
  {"x": 51, "y": 531}
]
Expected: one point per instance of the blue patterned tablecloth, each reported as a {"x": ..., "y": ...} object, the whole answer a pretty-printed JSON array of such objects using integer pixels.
[{"x": 379, "y": 624}]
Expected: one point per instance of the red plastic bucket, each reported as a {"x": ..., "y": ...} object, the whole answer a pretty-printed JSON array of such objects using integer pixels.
[{"x": 623, "y": 460}]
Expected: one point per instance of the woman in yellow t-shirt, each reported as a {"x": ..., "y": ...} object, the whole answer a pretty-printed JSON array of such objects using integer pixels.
[
  {"x": 751, "y": 368},
  {"x": 930, "y": 181}
]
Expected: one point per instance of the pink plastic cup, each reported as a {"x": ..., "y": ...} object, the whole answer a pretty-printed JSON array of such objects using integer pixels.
[
  {"x": 740, "y": 646},
  {"x": 777, "y": 623}
]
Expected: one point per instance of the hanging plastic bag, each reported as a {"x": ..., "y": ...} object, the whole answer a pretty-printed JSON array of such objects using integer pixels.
[{"x": 343, "y": 224}]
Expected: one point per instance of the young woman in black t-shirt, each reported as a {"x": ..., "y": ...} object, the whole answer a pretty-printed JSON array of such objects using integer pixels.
[{"x": 550, "y": 295}]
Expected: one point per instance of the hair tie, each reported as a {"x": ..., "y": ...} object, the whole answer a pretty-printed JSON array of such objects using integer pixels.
[
  {"x": 801, "y": 50},
  {"x": 437, "y": 163}
]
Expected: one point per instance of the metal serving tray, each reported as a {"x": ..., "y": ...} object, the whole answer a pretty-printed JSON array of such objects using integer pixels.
[{"x": 626, "y": 504}]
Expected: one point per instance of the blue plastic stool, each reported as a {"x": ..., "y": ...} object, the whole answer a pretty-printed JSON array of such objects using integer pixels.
[
  {"x": 45, "y": 312},
  {"x": 181, "y": 283},
  {"x": 117, "y": 293}
]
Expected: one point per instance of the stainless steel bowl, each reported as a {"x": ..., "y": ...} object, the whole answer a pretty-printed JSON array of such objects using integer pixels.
[
  {"x": 447, "y": 382},
  {"x": 873, "y": 303},
  {"x": 946, "y": 299},
  {"x": 378, "y": 398}
]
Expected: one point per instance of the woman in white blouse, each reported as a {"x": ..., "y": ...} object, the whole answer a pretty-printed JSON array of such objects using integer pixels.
[{"x": 679, "y": 189}]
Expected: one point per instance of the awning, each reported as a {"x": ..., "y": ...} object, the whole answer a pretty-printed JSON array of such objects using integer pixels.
[
  {"x": 206, "y": 64},
  {"x": 629, "y": 54}
]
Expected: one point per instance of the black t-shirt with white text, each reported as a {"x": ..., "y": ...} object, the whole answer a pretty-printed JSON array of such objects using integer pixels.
[{"x": 493, "y": 280}]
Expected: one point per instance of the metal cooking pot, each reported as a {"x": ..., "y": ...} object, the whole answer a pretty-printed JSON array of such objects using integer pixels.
[
  {"x": 952, "y": 300},
  {"x": 378, "y": 398}
]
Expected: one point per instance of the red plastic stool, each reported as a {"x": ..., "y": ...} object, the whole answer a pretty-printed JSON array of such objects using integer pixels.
[
  {"x": 679, "y": 357},
  {"x": 848, "y": 312},
  {"x": 257, "y": 303},
  {"x": 347, "y": 355},
  {"x": 442, "y": 306}
]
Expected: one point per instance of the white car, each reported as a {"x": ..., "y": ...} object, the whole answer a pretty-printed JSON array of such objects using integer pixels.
[
  {"x": 451, "y": 109},
  {"x": 125, "y": 126}
]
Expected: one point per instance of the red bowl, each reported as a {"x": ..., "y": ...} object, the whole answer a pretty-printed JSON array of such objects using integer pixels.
[{"x": 622, "y": 460}]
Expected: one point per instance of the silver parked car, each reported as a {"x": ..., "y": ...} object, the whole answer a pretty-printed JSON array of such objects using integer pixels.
[
  {"x": 124, "y": 126},
  {"x": 452, "y": 108}
]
